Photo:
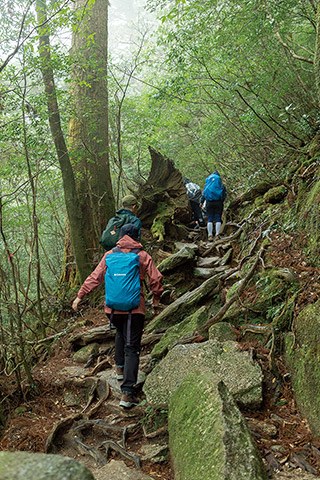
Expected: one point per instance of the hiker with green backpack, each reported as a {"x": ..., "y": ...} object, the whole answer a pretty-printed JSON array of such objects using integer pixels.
[
  {"x": 126, "y": 214},
  {"x": 123, "y": 270}
]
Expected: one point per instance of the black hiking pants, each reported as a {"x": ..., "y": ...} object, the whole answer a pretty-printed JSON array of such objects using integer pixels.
[
  {"x": 127, "y": 347},
  {"x": 197, "y": 213}
]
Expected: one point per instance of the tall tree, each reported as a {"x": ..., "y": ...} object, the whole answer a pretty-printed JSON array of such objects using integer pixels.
[
  {"x": 88, "y": 128},
  {"x": 75, "y": 215},
  {"x": 84, "y": 162}
]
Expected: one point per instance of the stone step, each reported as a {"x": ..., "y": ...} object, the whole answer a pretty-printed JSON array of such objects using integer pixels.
[
  {"x": 209, "y": 272},
  {"x": 208, "y": 262},
  {"x": 204, "y": 272},
  {"x": 179, "y": 245}
]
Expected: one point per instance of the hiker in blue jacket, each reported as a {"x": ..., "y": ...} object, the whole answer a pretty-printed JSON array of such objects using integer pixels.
[{"x": 214, "y": 193}]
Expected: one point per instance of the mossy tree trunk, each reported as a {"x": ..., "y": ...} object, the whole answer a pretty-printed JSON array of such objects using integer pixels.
[
  {"x": 75, "y": 215},
  {"x": 317, "y": 52},
  {"x": 88, "y": 128}
]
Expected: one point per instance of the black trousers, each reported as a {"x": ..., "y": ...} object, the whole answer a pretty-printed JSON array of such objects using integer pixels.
[
  {"x": 197, "y": 213},
  {"x": 127, "y": 347}
]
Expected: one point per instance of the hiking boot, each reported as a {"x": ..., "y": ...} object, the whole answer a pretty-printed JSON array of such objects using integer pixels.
[
  {"x": 119, "y": 373},
  {"x": 210, "y": 238},
  {"x": 128, "y": 400}
]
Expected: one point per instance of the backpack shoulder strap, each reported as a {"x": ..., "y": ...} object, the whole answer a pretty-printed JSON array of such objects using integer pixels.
[{"x": 136, "y": 250}]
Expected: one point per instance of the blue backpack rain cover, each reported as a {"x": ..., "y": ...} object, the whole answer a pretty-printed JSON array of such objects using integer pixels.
[
  {"x": 213, "y": 189},
  {"x": 122, "y": 280}
]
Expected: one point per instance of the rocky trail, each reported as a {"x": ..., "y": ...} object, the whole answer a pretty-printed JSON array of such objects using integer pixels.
[{"x": 77, "y": 412}]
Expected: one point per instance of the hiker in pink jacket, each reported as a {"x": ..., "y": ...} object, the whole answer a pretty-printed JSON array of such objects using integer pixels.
[{"x": 129, "y": 328}]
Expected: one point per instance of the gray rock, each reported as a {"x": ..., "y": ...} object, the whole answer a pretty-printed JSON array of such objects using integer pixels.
[
  {"x": 183, "y": 256},
  {"x": 240, "y": 374},
  {"x": 67, "y": 373},
  {"x": 204, "y": 272},
  {"x": 222, "y": 331},
  {"x": 96, "y": 334},
  {"x": 41, "y": 466},
  {"x": 117, "y": 470},
  {"x": 155, "y": 452},
  {"x": 109, "y": 376},
  {"x": 82, "y": 355},
  {"x": 208, "y": 436},
  {"x": 302, "y": 356},
  {"x": 72, "y": 399},
  {"x": 180, "y": 245},
  {"x": 207, "y": 262}
]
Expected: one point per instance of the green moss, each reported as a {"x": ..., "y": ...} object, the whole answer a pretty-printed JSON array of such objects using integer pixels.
[
  {"x": 302, "y": 354},
  {"x": 222, "y": 331},
  {"x": 164, "y": 212},
  {"x": 283, "y": 320},
  {"x": 309, "y": 216},
  {"x": 275, "y": 195},
  {"x": 258, "y": 202},
  {"x": 191, "y": 451},
  {"x": 182, "y": 329},
  {"x": 208, "y": 435}
]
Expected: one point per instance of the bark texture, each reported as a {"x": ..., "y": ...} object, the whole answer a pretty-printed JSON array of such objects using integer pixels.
[{"x": 163, "y": 198}]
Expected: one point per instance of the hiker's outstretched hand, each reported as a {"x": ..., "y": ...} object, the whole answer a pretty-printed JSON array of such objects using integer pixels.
[
  {"x": 155, "y": 302},
  {"x": 75, "y": 303}
]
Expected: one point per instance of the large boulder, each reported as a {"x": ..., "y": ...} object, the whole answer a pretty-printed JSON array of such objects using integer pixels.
[
  {"x": 234, "y": 367},
  {"x": 208, "y": 436},
  {"x": 41, "y": 466},
  {"x": 302, "y": 355}
]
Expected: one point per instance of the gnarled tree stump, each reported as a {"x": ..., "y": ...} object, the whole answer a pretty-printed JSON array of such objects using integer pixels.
[{"x": 163, "y": 198}]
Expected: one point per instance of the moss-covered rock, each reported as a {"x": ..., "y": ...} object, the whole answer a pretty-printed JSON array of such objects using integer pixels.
[
  {"x": 40, "y": 466},
  {"x": 302, "y": 355},
  {"x": 234, "y": 367},
  {"x": 222, "y": 331},
  {"x": 182, "y": 329},
  {"x": 275, "y": 195},
  {"x": 82, "y": 355},
  {"x": 181, "y": 257},
  {"x": 208, "y": 436}
]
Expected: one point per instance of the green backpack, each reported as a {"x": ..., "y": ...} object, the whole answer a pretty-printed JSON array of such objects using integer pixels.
[{"x": 111, "y": 234}]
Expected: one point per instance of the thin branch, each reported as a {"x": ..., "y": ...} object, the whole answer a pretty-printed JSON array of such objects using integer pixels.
[{"x": 283, "y": 43}]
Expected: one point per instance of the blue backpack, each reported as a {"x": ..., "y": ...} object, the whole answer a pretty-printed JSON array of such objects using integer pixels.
[
  {"x": 213, "y": 189},
  {"x": 122, "y": 281}
]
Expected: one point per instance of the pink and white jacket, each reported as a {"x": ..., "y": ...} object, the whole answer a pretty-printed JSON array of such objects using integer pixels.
[{"x": 147, "y": 267}]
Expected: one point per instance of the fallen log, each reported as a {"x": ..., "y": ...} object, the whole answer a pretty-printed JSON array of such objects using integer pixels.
[{"x": 184, "y": 304}]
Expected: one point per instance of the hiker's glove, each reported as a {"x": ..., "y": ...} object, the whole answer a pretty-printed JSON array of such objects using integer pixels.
[
  {"x": 155, "y": 302},
  {"x": 75, "y": 303}
]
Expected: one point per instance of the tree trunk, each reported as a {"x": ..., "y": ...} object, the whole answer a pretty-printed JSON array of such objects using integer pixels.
[
  {"x": 164, "y": 200},
  {"x": 75, "y": 215},
  {"x": 88, "y": 129},
  {"x": 317, "y": 53}
]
